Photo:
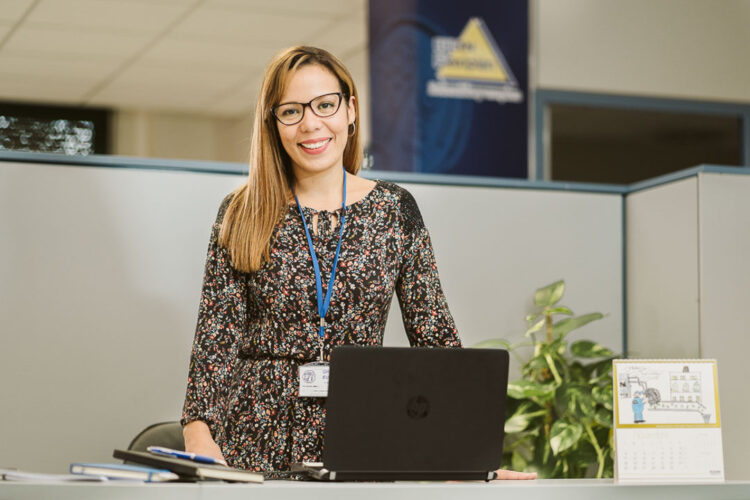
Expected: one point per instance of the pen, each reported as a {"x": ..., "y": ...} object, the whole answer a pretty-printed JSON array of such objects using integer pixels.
[{"x": 169, "y": 452}]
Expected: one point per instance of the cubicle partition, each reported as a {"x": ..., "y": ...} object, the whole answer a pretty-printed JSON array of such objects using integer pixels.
[
  {"x": 688, "y": 284},
  {"x": 101, "y": 267}
]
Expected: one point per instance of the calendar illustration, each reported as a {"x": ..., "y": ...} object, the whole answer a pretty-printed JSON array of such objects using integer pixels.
[{"x": 667, "y": 425}]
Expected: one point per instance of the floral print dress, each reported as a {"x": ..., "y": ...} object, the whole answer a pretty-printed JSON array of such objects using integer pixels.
[{"x": 255, "y": 329}]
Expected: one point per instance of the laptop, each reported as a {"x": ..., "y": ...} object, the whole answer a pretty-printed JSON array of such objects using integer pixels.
[{"x": 413, "y": 414}]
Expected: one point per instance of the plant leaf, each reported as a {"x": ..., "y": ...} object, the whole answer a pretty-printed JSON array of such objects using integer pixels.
[
  {"x": 604, "y": 367},
  {"x": 493, "y": 344},
  {"x": 584, "y": 454},
  {"x": 564, "y": 326},
  {"x": 521, "y": 389},
  {"x": 577, "y": 373},
  {"x": 589, "y": 349},
  {"x": 534, "y": 328},
  {"x": 603, "y": 395},
  {"x": 603, "y": 417},
  {"x": 564, "y": 435},
  {"x": 560, "y": 310},
  {"x": 574, "y": 399},
  {"x": 516, "y": 423},
  {"x": 518, "y": 463},
  {"x": 549, "y": 294}
]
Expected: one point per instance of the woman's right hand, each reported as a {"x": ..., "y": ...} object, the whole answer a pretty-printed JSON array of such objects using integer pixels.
[{"x": 198, "y": 440}]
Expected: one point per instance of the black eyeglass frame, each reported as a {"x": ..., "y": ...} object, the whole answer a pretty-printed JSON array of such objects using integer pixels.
[{"x": 308, "y": 104}]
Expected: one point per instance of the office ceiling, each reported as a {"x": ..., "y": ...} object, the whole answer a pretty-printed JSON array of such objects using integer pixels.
[{"x": 204, "y": 56}]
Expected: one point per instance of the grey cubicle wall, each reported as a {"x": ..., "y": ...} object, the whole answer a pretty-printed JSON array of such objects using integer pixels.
[
  {"x": 688, "y": 261},
  {"x": 100, "y": 274}
]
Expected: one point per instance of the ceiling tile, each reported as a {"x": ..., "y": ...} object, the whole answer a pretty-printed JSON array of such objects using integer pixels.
[
  {"x": 174, "y": 49},
  {"x": 64, "y": 40},
  {"x": 4, "y": 28},
  {"x": 38, "y": 66},
  {"x": 332, "y": 7},
  {"x": 344, "y": 35},
  {"x": 111, "y": 15},
  {"x": 240, "y": 100},
  {"x": 248, "y": 26},
  {"x": 150, "y": 97},
  {"x": 185, "y": 3},
  {"x": 208, "y": 82},
  {"x": 23, "y": 88},
  {"x": 211, "y": 62},
  {"x": 12, "y": 10}
]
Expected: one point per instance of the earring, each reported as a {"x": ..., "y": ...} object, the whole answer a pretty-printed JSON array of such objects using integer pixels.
[{"x": 352, "y": 128}]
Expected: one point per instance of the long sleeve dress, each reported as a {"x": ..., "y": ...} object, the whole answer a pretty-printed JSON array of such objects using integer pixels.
[{"x": 255, "y": 329}]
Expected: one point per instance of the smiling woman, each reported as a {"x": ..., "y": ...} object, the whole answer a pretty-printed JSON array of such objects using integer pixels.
[{"x": 303, "y": 257}]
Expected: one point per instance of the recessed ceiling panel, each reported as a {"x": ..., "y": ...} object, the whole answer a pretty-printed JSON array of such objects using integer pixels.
[
  {"x": 208, "y": 81},
  {"x": 241, "y": 100},
  {"x": 191, "y": 51},
  {"x": 250, "y": 26},
  {"x": 114, "y": 15},
  {"x": 22, "y": 88},
  {"x": 345, "y": 36},
  {"x": 13, "y": 10},
  {"x": 36, "y": 65},
  {"x": 70, "y": 40},
  {"x": 295, "y": 7}
]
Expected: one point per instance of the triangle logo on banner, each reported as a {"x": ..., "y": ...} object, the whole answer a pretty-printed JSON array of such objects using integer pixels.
[{"x": 476, "y": 57}]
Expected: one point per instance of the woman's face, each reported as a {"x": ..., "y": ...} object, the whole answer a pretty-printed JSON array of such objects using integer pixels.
[{"x": 315, "y": 144}]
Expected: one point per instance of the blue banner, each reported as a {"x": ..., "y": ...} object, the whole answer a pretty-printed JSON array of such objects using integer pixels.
[{"x": 449, "y": 86}]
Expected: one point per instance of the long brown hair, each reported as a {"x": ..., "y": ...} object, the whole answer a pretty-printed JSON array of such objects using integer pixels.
[{"x": 258, "y": 205}]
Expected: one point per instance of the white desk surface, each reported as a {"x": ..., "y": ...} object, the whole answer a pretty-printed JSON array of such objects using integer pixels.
[{"x": 549, "y": 489}]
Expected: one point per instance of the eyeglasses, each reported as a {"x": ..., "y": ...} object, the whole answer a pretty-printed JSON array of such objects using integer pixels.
[{"x": 291, "y": 113}]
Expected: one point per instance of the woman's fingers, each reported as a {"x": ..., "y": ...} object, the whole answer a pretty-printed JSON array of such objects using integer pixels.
[{"x": 511, "y": 474}]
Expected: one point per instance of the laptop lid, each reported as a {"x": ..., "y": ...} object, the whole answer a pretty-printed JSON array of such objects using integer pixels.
[{"x": 431, "y": 410}]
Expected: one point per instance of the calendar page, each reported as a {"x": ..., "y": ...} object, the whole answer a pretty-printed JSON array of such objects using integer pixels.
[{"x": 667, "y": 425}]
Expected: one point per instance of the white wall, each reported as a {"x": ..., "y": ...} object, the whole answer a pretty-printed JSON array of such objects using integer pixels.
[
  {"x": 101, "y": 268},
  {"x": 183, "y": 136},
  {"x": 695, "y": 49}
]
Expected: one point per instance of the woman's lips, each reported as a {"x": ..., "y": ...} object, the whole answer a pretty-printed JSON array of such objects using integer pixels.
[{"x": 315, "y": 146}]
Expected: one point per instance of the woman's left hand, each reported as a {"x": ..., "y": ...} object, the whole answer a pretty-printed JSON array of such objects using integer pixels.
[{"x": 503, "y": 474}]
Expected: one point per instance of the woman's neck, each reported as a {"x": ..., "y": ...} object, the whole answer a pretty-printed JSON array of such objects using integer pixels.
[{"x": 320, "y": 190}]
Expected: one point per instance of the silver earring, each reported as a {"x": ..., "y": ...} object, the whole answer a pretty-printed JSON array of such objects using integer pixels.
[{"x": 352, "y": 128}]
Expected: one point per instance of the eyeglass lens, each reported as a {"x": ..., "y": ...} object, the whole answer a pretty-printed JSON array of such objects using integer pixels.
[{"x": 323, "y": 106}]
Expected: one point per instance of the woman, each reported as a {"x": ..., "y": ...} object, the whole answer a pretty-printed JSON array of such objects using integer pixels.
[{"x": 305, "y": 256}]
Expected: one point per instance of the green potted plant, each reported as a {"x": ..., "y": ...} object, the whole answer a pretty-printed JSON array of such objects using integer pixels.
[{"x": 559, "y": 413}]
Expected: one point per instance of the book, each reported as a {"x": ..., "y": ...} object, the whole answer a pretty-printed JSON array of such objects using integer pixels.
[
  {"x": 40, "y": 477},
  {"x": 188, "y": 469},
  {"x": 667, "y": 425},
  {"x": 120, "y": 471}
]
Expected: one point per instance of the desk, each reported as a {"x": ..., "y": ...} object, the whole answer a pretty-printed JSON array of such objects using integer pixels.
[{"x": 548, "y": 489}]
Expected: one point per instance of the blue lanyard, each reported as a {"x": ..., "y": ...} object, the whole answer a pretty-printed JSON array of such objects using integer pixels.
[{"x": 323, "y": 303}]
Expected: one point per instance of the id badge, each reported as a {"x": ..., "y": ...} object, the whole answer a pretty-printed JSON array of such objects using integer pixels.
[{"x": 313, "y": 380}]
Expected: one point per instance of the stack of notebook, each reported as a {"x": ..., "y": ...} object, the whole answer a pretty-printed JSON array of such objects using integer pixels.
[
  {"x": 189, "y": 470},
  {"x": 120, "y": 471}
]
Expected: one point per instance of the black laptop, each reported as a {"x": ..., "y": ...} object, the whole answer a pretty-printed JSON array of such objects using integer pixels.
[{"x": 414, "y": 414}]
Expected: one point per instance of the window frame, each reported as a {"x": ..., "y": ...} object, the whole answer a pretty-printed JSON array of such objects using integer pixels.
[{"x": 543, "y": 98}]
